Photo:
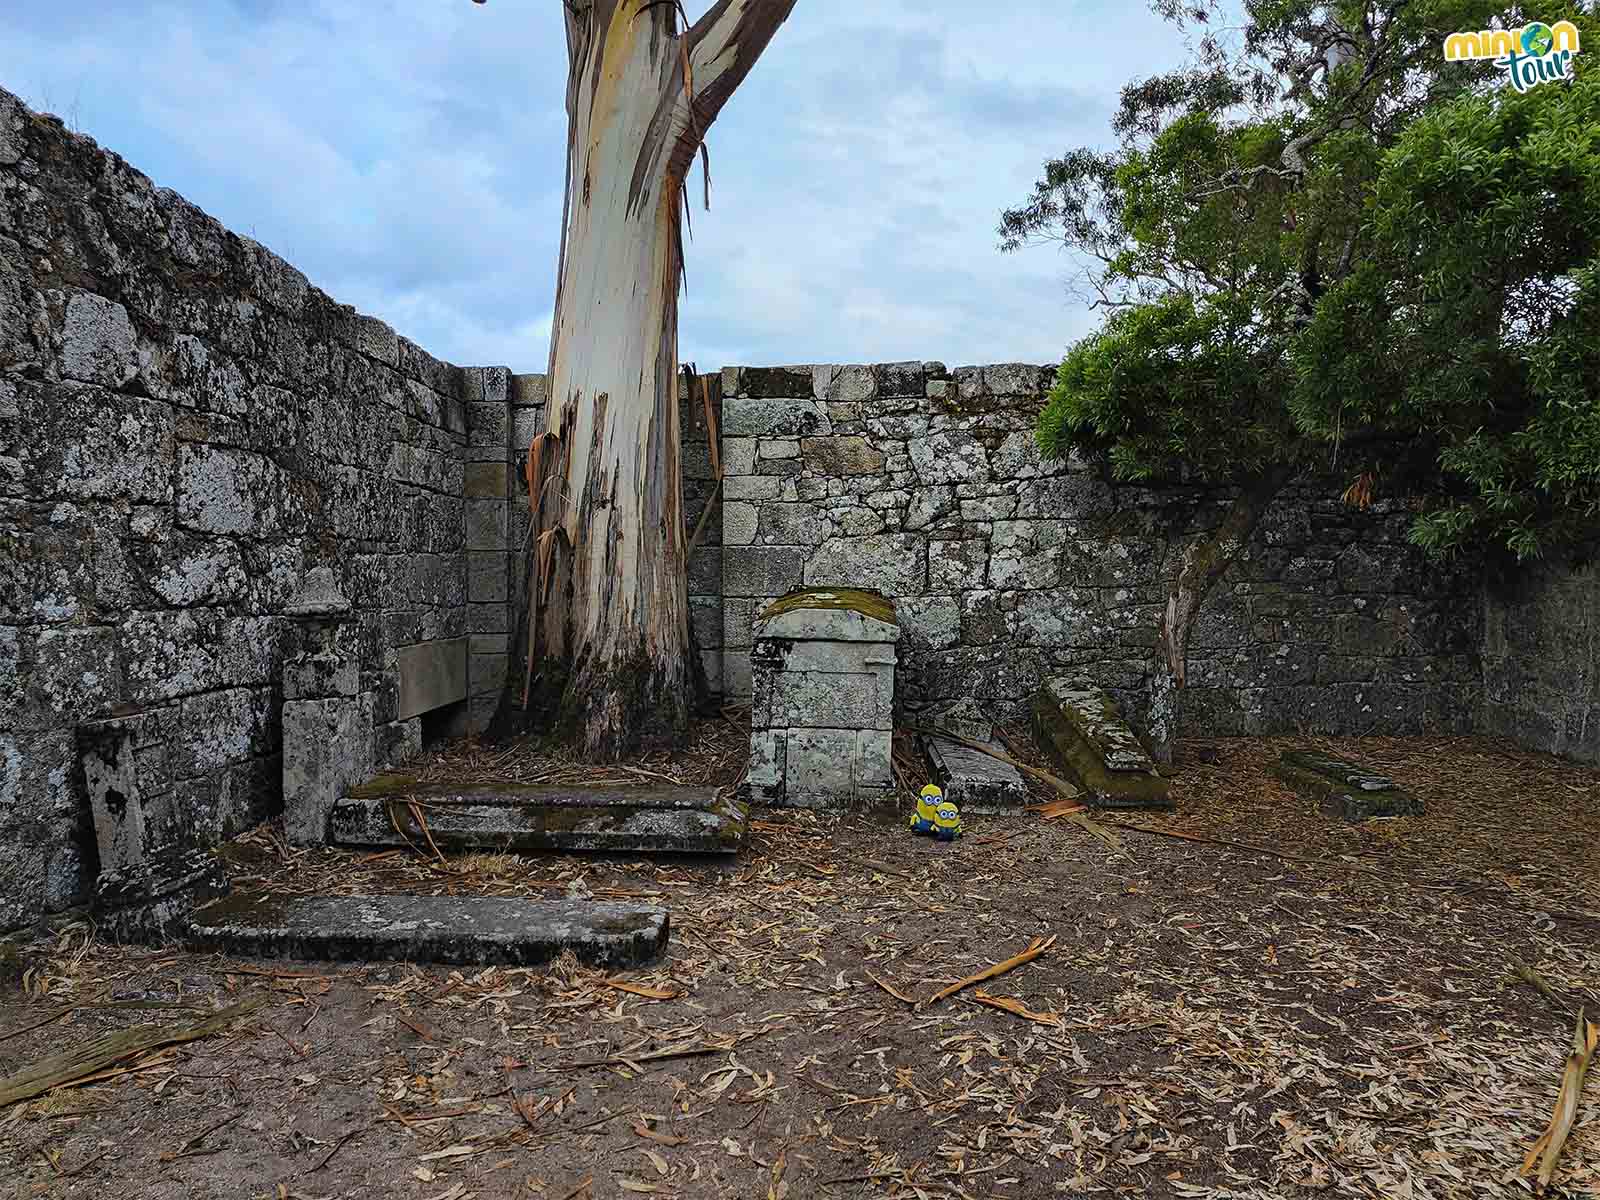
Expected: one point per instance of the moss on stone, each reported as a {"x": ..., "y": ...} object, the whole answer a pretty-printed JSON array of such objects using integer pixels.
[
  {"x": 392, "y": 783},
  {"x": 868, "y": 604},
  {"x": 1083, "y": 763},
  {"x": 258, "y": 908},
  {"x": 1344, "y": 789}
]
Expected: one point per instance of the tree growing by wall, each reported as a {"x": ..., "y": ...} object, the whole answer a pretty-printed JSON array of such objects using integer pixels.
[
  {"x": 607, "y": 625},
  {"x": 1322, "y": 246}
]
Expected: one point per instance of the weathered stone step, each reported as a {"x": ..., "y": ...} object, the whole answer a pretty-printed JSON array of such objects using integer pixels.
[
  {"x": 1344, "y": 789},
  {"x": 472, "y": 931},
  {"x": 520, "y": 817},
  {"x": 1083, "y": 730}
]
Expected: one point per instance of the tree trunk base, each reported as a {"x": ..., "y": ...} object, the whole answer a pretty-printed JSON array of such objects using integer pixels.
[{"x": 603, "y": 712}]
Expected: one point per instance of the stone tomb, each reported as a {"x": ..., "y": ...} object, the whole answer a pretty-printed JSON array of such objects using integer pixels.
[
  {"x": 148, "y": 882},
  {"x": 534, "y": 817},
  {"x": 1082, "y": 729},
  {"x": 822, "y": 700},
  {"x": 1344, "y": 789},
  {"x": 468, "y": 930}
]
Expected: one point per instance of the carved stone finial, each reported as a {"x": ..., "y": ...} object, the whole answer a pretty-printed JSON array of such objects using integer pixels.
[{"x": 319, "y": 596}]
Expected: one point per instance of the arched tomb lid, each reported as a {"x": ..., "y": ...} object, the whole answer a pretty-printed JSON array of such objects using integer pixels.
[{"x": 830, "y": 615}]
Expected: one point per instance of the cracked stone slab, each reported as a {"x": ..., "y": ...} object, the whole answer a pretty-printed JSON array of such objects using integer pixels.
[
  {"x": 972, "y": 780},
  {"x": 468, "y": 931},
  {"x": 1083, "y": 730},
  {"x": 509, "y": 817},
  {"x": 1344, "y": 789}
]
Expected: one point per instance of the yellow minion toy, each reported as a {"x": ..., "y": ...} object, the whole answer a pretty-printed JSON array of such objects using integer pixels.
[
  {"x": 922, "y": 821},
  {"x": 946, "y": 822}
]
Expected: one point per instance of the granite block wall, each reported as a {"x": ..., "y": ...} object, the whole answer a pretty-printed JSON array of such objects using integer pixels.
[
  {"x": 1541, "y": 655},
  {"x": 187, "y": 428},
  {"x": 926, "y": 484}
]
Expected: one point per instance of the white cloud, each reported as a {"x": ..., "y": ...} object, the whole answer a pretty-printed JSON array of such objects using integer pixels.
[{"x": 410, "y": 162}]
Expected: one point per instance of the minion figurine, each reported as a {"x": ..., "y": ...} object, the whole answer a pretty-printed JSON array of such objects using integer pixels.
[
  {"x": 923, "y": 820},
  {"x": 946, "y": 822}
]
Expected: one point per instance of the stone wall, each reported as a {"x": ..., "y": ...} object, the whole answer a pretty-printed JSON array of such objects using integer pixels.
[
  {"x": 187, "y": 428},
  {"x": 926, "y": 483},
  {"x": 1541, "y": 656}
]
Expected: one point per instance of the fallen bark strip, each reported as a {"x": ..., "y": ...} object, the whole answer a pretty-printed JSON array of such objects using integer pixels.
[
  {"x": 628, "y": 1060},
  {"x": 1584, "y": 1038},
  {"x": 1520, "y": 970},
  {"x": 1015, "y": 1007},
  {"x": 1055, "y": 781},
  {"x": 73, "y": 1065},
  {"x": 72, "y": 1008},
  {"x": 892, "y": 990},
  {"x": 637, "y": 989},
  {"x": 1039, "y": 946}
]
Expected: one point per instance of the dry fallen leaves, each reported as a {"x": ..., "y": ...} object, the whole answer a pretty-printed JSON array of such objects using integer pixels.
[{"x": 638, "y": 989}]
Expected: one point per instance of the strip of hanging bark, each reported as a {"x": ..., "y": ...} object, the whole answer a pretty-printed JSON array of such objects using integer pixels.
[
  {"x": 1039, "y": 946},
  {"x": 538, "y": 592},
  {"x": 716, "y": 468},
  {"x": 75, "y": 1064},
  {"x": 533, "y": 473},
  {"x": 1055, "y": 781},
  {"x": 1584, "y": 1038}
]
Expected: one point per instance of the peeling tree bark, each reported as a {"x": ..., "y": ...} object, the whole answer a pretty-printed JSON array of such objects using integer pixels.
[
  {"x": 1205, "y": 561},
  {"x": 607, "y": 628}
]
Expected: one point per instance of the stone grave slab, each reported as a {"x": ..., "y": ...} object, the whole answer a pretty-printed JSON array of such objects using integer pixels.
[
  {"x": 972, "y": 780},
  {"x": 1344, "y": 789},
  {"x": 468, "y": 931},
  {"x": 432, "y": 674},
  {"x": 516, "y": 818},
  {"x": 1083, "y": 730},
  {"x": 150, "y": 902}
]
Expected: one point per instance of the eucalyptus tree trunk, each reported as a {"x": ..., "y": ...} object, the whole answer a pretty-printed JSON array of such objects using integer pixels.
[
  {"x": 1205, "y": 560},
  {"x": 606, "y": 621}
]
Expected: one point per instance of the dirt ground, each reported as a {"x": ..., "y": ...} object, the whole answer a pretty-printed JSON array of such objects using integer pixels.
[{"x": 1330, "y": 1015}]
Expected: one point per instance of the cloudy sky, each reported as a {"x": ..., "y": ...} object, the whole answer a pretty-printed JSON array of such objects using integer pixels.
[{"x": 408, "y": 158}]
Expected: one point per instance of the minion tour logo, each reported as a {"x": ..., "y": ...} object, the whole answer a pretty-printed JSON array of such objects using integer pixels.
[{"x": 1532, "y": 55}]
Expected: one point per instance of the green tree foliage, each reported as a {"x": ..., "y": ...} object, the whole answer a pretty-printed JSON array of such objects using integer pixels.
[
  {"x": 1324, "y": 244},
  {"x": 1473, "y": 321}
]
